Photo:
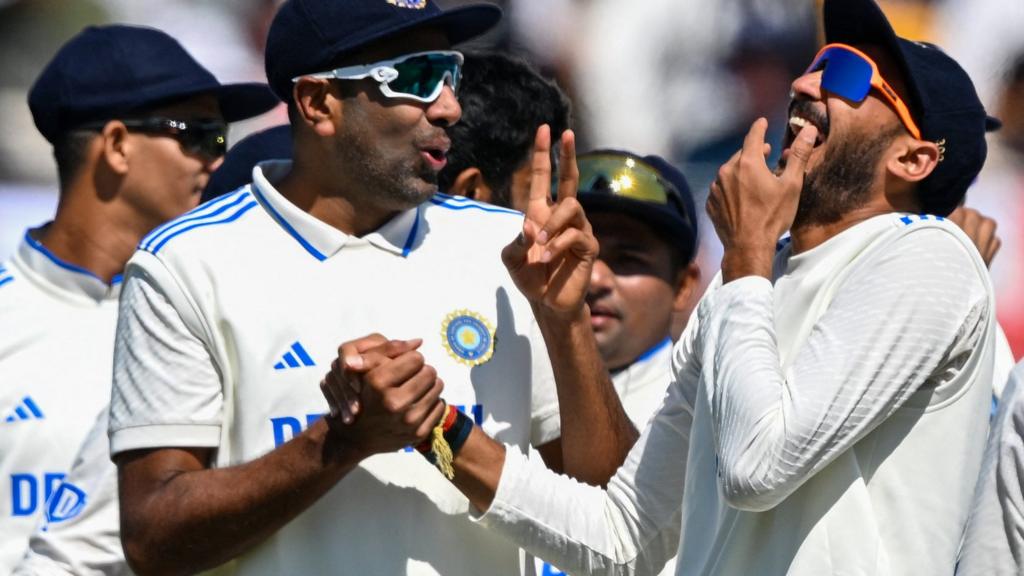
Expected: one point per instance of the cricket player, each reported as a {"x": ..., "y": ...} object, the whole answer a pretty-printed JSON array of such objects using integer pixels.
[{"x": 137, "y": 126}]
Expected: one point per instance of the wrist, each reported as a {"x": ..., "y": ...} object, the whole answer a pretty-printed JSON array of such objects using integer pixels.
[
  {"x": 562, "y": 319},
  {"x": 738, "y": 262}
]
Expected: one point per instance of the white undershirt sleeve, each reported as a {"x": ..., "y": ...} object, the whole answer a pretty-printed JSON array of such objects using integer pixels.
[
  {"x": 633, "y": 526},
  {"x": 897, "y": 319},
  {"x": 167, "y": 392}
]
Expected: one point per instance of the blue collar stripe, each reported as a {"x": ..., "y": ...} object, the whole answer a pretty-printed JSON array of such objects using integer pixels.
[
  {"x": 284, "y": 224},
  {"x": 62, "y": 264},
  {"x": 412, "y": 235},
  {"x": 654, "y": 350},
  {"x": 6, "y": 280},
  {"x": 178, "y": 223},
  {"x": 235, "y": 216}
]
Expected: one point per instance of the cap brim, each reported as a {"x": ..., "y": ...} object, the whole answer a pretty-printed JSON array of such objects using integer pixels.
[
  {"x": 992, "y": 123},
  {"x": 244, "y": 100}
]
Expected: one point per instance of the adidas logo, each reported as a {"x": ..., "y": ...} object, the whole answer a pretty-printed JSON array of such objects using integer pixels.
[
  {"x": 299, "y": 359},
  {"x": 26, "y": 410}
]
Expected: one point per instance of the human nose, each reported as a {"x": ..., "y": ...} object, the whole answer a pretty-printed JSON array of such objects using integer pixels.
[
  {"x": 601, "y": 277},
  {"x": 808, "y": 85},
  {"x": 446, "y": 110}
]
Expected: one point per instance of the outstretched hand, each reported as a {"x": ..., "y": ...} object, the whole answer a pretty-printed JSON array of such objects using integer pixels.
[
  {"x": 551, "y": 260},
  {"x": 751, "y": 207}
]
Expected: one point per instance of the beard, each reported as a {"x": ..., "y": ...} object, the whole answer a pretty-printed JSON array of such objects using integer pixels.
[{"x": 844, "y": 179}]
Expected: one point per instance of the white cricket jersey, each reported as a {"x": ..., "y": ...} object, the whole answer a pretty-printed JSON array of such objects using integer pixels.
[
  {"x": 233, "y": 313},
  {"x": 81, "y": 534},
  {"x": 641, "y": 387},
  {"x": 56, "y": 345},
  {"x": 994, "y": 540},
  {"x": 829, "y": 422}
]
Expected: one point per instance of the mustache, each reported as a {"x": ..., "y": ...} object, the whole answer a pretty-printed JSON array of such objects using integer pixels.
[{"x": 805, "y": 109}]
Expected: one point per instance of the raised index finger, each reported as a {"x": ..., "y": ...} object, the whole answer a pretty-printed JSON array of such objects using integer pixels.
[
  {"x": 568, "y": 172},
  {"x": 753, "y": 143}
]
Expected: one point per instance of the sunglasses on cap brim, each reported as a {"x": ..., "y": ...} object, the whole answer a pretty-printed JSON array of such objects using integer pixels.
[
  {"x": 208, "y": 138},
  {"x": 851, "y": 74},
  {"x": 625, "y": 177},
  {"x": 420, "y": 76}
]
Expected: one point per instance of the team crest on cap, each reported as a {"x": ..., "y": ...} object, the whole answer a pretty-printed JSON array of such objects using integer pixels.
[
  {"x": 468, "y": 337},
  {"x": 415, "y": 4}
]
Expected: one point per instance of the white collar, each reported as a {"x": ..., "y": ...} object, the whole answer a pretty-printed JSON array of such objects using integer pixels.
[
  {"x": 321, "y": 240},
  {"x": 47, "y": 268}
]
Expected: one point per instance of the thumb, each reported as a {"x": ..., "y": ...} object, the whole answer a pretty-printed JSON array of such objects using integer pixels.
[
  {"x": 799, "y": 153},
  {"x": 514, "y": 255}
]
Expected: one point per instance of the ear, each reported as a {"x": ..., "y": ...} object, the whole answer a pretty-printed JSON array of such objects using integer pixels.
[
  {"x": 317, "y": 104},
  {"x": 687, "y": 280},
  {"x": 913, "y": 159},
  {"x": 117, "y": 148},
  {"x": 471, "y": 184}
]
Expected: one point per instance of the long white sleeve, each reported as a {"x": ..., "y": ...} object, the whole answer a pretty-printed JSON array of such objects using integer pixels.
[
  {"x": 884, "y": 336},
  {"x": 586, "y": 530}
]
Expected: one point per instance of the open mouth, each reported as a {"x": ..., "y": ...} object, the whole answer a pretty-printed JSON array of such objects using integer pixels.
[
  {"x": 436, "y": 154},
  {"x": 797, "y": 123}
]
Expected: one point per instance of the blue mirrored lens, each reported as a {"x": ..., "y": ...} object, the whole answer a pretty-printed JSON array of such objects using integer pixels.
[{"x": 846, "y": 74}]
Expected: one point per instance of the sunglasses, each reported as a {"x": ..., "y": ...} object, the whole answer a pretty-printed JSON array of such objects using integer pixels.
[
  {"x": 207, "y": 138},
  {"x": 626, "y": 177},
  {"x": 420, "y": 76},
  {"x": 851, "y": 74}
]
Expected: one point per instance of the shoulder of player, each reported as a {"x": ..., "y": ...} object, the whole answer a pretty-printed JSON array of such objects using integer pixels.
[
  {"x": 942, "y": 232},
  {"x": 10, "y": 285},
  {"x": 192, "y": 230},
  {"x": 471, "y": 212}
]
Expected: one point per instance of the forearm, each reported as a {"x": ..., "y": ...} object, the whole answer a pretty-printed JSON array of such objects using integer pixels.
[
  {"x": 197, "y": 519},
  {"x": 596, "y": 432}
]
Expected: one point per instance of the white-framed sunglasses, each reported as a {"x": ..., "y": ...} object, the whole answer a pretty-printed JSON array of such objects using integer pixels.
[{"x": 420, "y": 76}]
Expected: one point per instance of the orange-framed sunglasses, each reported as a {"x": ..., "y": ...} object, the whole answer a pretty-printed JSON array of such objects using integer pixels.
[{"x": 851, "y": 74}]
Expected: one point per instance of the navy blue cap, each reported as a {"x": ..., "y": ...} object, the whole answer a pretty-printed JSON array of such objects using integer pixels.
[
  {"x": 676, "y": 220},
  {"x": 236, "y": 170},
  {"x": 942, "y": 99},
  {"x": 307, "y": 36},
  {"x": 107, "y": 71}
]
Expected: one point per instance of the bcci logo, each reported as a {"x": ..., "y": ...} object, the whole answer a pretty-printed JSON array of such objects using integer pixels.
[
  {"x": 414, "y": 4},
  {"x": 468, "y": 337}
]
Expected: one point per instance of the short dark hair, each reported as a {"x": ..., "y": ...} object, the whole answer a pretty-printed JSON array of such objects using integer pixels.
[
  {"x": 69, "y": 150},
  {"x": 504, "y": 100}
]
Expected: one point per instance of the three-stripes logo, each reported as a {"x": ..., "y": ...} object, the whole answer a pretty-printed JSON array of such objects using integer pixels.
[
  {"x": 27, "y": 409},
  {"x": 5, "y": 276},
  {"x": 299, "y": 359}
]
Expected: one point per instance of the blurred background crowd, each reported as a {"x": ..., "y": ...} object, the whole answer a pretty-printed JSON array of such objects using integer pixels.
[{"x": 683, "y": 80}]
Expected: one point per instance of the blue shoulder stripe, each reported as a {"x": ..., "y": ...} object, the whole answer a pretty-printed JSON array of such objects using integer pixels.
[
  {"x": 179, "y": 231},
  {"x": 472, "y": 204},
  {"x": 6, "y": 280},
  {"x": 204, "y": 208},
  {"x": 444, "y": 196},
  {"x": 211, "y": 208},
  {"x": 215, "y": 210}
]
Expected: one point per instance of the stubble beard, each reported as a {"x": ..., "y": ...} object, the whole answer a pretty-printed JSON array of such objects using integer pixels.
[
  {"x": 387, "y": 180},
  {"x": 843, "y": 181}
]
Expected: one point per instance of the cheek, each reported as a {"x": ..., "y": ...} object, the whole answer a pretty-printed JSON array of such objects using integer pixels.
[{"x": 646, "y": 299}]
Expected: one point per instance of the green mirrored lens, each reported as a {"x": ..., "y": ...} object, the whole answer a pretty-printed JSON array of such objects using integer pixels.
[
  {"x": 621, "y": 176},
  {"x": 421, "y": 75}
]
